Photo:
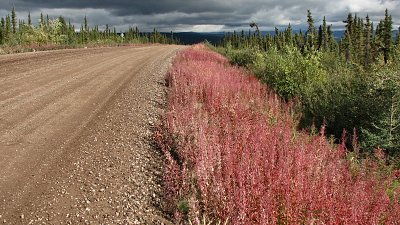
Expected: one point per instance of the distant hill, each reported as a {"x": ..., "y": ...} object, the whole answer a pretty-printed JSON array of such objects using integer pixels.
[{"x": 189, "y": 38}]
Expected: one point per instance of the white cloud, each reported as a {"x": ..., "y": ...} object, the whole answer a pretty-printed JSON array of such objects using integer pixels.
[{"x": 207, "y": 28}]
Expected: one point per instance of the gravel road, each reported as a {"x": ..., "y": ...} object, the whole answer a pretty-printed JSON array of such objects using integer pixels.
[{"x": 75, "y": 136}]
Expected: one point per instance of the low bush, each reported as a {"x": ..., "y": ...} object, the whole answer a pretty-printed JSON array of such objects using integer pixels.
[{"x": 330, "y": 91}]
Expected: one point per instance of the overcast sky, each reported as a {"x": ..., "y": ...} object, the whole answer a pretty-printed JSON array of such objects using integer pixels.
[{"x": 201, "y": 15}]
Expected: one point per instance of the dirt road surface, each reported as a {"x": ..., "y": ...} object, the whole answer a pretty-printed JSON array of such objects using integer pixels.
[{"x": 75, "y": 136}]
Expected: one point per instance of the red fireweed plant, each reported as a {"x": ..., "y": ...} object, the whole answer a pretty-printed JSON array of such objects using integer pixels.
[{"x": 233, "y": 154}]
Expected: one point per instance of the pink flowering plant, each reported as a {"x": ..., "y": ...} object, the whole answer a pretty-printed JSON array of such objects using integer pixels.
[{"x": 234, "y": 155}]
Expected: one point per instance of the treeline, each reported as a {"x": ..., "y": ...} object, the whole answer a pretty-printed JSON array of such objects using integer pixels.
[
  {"x": 351, "y": 83},
  {"x": 363, "y": 43},
  {"x": 58, "y": 31}
]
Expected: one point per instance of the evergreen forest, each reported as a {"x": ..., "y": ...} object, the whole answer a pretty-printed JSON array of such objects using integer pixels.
[
  {"x": 18, "y": 35},
  {"x": 350, "y": 86}
]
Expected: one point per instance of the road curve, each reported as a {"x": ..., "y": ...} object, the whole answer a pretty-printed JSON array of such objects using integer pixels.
[{"x": 74, "y": 135}]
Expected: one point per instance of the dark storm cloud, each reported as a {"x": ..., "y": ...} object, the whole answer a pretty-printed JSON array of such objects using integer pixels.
[{"x": 203, "y": 15}]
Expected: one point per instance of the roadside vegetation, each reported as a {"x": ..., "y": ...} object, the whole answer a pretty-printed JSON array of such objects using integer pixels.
[
  {"x": 235, "y": 156},
  {"x": 53, "y": 33},
  {"x": 348, "y": 84}
]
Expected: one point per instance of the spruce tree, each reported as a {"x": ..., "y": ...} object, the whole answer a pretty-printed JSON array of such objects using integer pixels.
[
  {"x": 14, "y": 21},
  {"x": 387, "y": 36},
  {"x": 86, "y": 26},
  {"x": 289, "y": 35},
  {"x": 311, "y": 31},
  {"x": 41, "y": 23},
  {"x": 276, "y": 38},
  {"x": 1, "y": 30},
  {"x": 47, "y": 20},
  {"x": 71, "y": 33},
  {"x": 347, "y": 46},
  {"x": 64, "y": 28},
  {"x": 331, "y": 42},
  {"x": 358, "y": 40},
  {"x": 367, "y": 41},
  {"x": 107, "y": 31},
  {"x": 29, "y": 19},
  {"x": 320, "y": 37},
  {"x": 324, "y": 35},
  {"x": 82, "y": 34},
  {"x": 7, "y": 33},
  {"x": 301, "y": 42},
  {"x": 347, "y": 42}
]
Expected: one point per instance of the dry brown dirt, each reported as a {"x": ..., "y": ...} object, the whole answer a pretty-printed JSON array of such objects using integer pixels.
[{"x": 75, "y": 136}]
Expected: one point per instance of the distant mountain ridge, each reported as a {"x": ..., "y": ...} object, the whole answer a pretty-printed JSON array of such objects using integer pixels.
[{"x": 189, "y": 38}]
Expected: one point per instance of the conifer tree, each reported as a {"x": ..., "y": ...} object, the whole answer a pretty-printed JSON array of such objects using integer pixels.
[
  {"x": 64, "y": 28},
  {"x": 289, "y": 35},
  {"x": 276, "y": 39},
  {"x": 347, "y": 46},
  {"x": 301, "y": 42},
  {"x": 359, "y": 40},
  {"x": 1, "y": 31},
  {"x": 86, "y": 26},
  {"x": 7, "y": 33},
  {"x": 71, "y": 33},
  {"x": 367, "y": 41},
  {"x": 107, "y": 31},
  {"x": 14, "y": 21},
  {"x": 324, "y": 35},
  {"x": 331, "y": 43},
  {"x": 311, "y": 31},
  {"x": 320, "y": 37},
  {"x": 47, "y": 20},
  {"x": 41, "y": 23},
  {"x": 29, "y": 19},
  {"x": 82, "y": 35},
  {"x": 387, "y": 36}
]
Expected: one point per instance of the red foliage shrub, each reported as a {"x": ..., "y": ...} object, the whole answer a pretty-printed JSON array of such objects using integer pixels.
[{"x": 234, "y": 154}]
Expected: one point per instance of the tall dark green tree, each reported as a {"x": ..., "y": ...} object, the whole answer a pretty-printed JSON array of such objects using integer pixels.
[
  {"x": 320, "y": 37},
  {"x": 358, "y": 40},
  {"x": 387, "y": 36},
  {"x": 347, "y": 43},
  {"x": 331, "y": 42},
  {"x": 107, "y": 31},
  {"x": 367, "y": 41},
  {"x": 47, "y": 20},
  {"x": 311, "y": 34},
  {"x": 86, "y": 26},
  {"x": 289, "y": 35},
  {"x": 2, "y": 26},
  {"x": 71, "y": 33},
  {"x": 7, "y": 30},
  {"x": 14, "y": 21},
  {"x": 64, "y": 27},
  {"x": 41, "y": 22},
  {"x": 29, "y": 19},
  {"x": 324, "y": 34}
]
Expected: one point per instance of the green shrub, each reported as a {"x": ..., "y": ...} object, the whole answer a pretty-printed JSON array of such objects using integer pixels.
[{"x": 334, "y": 92}]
